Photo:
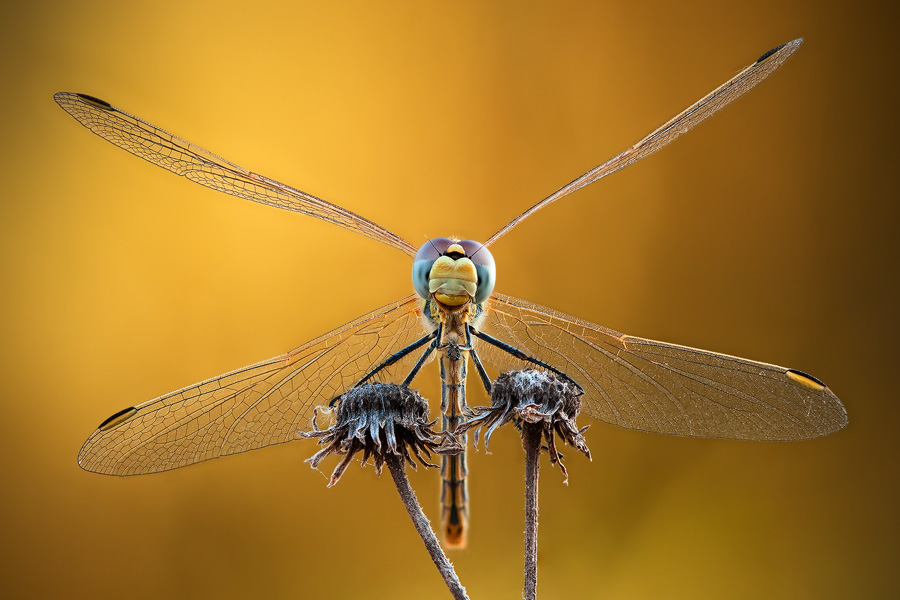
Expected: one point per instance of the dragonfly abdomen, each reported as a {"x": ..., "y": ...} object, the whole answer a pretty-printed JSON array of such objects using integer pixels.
[{"x": 454, "y": 493}]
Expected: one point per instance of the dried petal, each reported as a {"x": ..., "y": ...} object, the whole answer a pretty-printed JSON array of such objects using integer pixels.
[
  {"x": 535, "y": 397},
  {"x": 377, "y": 419}
]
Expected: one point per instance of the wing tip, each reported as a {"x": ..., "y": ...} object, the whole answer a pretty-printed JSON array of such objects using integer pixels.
[{"x": 87, "y": 98}]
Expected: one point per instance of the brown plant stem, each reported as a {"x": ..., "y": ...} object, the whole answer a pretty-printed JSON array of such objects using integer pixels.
[
  {"x": 423, "y": 526},
  {"x": 531, "y": 440}
]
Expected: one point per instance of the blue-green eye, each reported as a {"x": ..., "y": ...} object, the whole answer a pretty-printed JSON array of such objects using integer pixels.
[
  {"x": 474, "y": 251},
  {"x": 425, "y": 257},
  {"x": 484, "y": 266}
]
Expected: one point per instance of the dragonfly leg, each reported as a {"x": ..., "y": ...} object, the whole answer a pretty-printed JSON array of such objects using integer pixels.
[
  {"x": 455, "y": 352},
  {"x": 393, "y": 358},
  {"x": 415, "y": 370},
  {"x": 522, "y": 356},
  {"x": 401, "y": 353},
  {"x": 485, "y": 380}
]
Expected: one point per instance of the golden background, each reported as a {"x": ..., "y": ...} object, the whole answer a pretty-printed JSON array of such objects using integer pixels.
[{"x": 770, "y": 232}]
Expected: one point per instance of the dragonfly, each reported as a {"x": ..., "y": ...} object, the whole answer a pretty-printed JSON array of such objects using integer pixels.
[{"x": 454, "y": 314}]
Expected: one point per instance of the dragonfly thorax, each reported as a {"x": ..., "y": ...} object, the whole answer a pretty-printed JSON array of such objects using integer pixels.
[{"x": 454, "y": 272}]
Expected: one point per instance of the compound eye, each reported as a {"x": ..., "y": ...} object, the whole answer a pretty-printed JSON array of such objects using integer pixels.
[
  {"x": 425, "y": 257},
  {"x": 432, "y": 249},
  {"x": 483, "y": 260},
  {"x": 477, "y": 252}
]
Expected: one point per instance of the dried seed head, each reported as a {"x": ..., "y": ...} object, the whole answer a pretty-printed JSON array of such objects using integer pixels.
[
  {"x": 534, "y": 397},
  {"x": 376, "y": 419}
]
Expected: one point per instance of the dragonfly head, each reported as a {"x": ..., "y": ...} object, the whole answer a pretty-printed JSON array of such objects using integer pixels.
[{"x": 454, "y": 272}]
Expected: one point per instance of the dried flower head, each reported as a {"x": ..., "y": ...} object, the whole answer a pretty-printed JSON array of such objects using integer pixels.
[
  {"x": 376, "y": 419},
  {"x": 538, "y": 397}
]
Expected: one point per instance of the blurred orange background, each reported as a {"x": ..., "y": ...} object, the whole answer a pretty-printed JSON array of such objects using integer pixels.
[{"x": 770, "y": 232}]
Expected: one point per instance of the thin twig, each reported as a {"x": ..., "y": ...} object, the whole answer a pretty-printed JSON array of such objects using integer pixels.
[
  {"x": 531, "y": 440},
  {"x": 423, "y": 526}
]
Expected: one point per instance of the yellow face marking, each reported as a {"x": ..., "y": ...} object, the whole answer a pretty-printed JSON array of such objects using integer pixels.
[
  {"x": 447, "y": 268},
  {"x": 453, "y": 282},
  {"x": 805, "y": 380},
  {"x": 455, "y": 248},
  {"x": 454, "y": 300}
]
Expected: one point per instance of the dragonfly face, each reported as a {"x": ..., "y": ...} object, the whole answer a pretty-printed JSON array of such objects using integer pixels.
[
  {"x": 454, "y": 272},
  {"x": 627, "y": 381}
]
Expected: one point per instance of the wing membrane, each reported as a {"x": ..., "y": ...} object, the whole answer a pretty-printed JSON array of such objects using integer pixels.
[
  {"x": 256, "y": 406},
  {"x": 716, "y": 100},
  {"x": 201, "y": 166},
  {"x": 664, "y": 388}
]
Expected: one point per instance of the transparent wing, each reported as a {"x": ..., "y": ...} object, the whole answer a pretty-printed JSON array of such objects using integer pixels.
[
  {"x": 201, "y": 166},
  {"x": 729, "y": 91},
  {"x": 663, "y": 388},
  {"x": 256, "y": 406}
]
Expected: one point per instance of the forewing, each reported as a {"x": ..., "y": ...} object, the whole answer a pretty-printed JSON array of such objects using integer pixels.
[
  {"x": 663, "y": 388},
  {"x": 201, "y": 166},
  {"x": 260, "y": 405},
  {"x": 716, "y": 100}
]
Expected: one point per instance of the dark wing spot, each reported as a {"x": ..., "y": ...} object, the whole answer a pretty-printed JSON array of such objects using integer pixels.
[
  {"x": 808, "y": 376},
  {"x": 118, "y": 418},
  {"x": 770, "y": 53},
  {"x": 101, "y": 104},
  {"x": 806, "y": 380}
]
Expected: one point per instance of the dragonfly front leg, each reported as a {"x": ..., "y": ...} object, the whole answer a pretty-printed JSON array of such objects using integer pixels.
[
  {"x": 522, "y": 356},
  {"x": 433, "y": 337},
  {"x": 422, "y": 359},
  {"x": 485, "y": 380},
  {"x": 455, "y": 352}
]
